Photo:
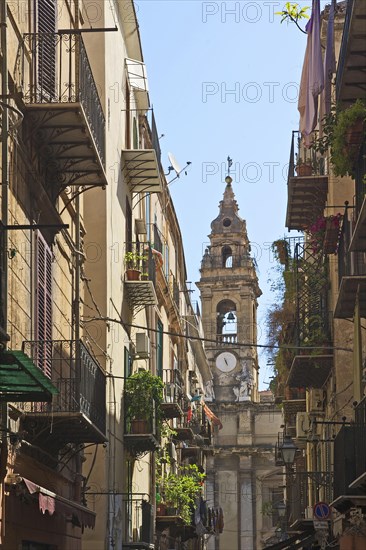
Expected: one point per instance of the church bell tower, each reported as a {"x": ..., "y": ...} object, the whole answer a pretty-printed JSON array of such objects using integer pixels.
[{"x": 229, "y": 291}]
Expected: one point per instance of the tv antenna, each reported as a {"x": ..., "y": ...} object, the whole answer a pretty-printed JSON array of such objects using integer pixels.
[{"x": 174, "y": 166}]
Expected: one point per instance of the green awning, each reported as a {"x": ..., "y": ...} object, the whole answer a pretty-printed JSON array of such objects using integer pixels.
[{"x": 21, "y": 380}]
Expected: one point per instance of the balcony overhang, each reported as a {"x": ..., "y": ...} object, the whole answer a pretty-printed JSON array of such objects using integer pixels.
[
  {"x": 184, "y": 434},
  {"x": 348, "y": 290},
  {"x": 309, "y": 371},
  {"x": 140, "y": 294},
  {"x": 293, "y": 406},
  {"x": 141, "y": 443},
  {"x": 350, "y": 79},
  {"x": 141, "y": 169},
  {"x": 63, "y": 426},
  {"x": 345, "y": 502},
  {"x": 21, "y": 380},
  {"x": 306, "y": 200},
  {"x": 171, "y": 410},
  {"x": 358, "y": 241},
  {"x": 74, "y": 155}
]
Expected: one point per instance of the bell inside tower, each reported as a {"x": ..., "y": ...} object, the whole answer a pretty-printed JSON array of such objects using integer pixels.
[{"x": 226, "y": 321}]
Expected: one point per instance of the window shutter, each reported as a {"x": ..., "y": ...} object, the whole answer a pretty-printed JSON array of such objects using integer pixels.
[
  {"x": 44, "y": 304},
  {"x": 46, "y": 28}
]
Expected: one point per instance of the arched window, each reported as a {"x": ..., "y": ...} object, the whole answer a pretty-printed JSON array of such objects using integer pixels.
[{"x": 227, "y": 257}]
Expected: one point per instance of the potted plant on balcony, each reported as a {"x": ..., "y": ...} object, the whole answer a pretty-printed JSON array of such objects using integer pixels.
[
  {"x": 133, "y": 264},
  {"x": 143, "y": 393},
  {"x": 348, "y": 133},
  {"x": 343, "y": 133},
  {"x": 179, "y": 491},
  {"x": 303, "y": 167}
]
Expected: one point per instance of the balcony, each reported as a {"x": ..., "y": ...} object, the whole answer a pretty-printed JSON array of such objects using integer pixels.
[
  {"x": 141, "y": 436},
  {"x": 64, "y": 119},
  {"x": 349, "y": 464},
  {"x": 350, "y": 78},
  {"x": 307, "y": 188},
  {"x": 140, "y": 286},
  {"x": 360, "y": 444},
  {"x": 309, "y": 371},
  {"x": 358, "y": 242},
  {"x": 352, "y": 277},
  {"x": 141, "y": 170},
  {"x": 173, "y": 395},
  {"x": 78, "y": 413},
  {"x": 138, "y": 522}
]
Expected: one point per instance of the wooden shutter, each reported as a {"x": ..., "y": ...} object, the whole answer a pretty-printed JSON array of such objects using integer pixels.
[
  {"x": 159, "y": 350},
  {"x": 43, "y": 305},
  {"x": 46, "y": 28}
]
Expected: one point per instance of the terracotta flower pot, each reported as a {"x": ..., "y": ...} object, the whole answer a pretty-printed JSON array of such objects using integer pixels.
[
  {"x": 139, "y": 426},
  {"x": 303, "y": 169},
  {"x": 133, "y": 274}
]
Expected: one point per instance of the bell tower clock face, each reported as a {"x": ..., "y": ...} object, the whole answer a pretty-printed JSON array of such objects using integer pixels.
[{"x": 226, "y": 361}]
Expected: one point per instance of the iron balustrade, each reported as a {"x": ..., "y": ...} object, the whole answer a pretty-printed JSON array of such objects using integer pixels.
[
  {"x": 55, "y": 69},
  {"x": 345, "y": 453},
  {"x": 144, "y": 259},
  {"x": 300, "y": 153},
  {"x": 312, "y": 316},
  {"x": 349, "y": 263},
  {"x": 77, "y": 375},
  {"x": 158, "y": 239}
]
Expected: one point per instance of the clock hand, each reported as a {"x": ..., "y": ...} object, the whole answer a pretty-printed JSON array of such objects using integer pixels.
[{"x": 226, "y": 361}]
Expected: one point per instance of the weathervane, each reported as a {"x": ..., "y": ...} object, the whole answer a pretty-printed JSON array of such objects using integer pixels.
[
  {"x": 228, "y": 178},
  {"x": 229, "y": 164}
]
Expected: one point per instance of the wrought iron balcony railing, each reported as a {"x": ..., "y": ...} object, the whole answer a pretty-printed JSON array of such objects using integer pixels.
[
  {"x": 352, "y": 275},
  {"x": 307, "y": 184},
  {"x": 55, "y": 69},
  {"x": 141, "y": 264},
  {"x": 81, "y": 383}
]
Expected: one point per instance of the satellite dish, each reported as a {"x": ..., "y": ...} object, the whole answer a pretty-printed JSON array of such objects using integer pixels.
[{"x": 174, "y": 164}]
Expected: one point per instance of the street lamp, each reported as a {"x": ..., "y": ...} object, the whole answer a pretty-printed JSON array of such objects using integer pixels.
[{"x": 288, "y": 450}]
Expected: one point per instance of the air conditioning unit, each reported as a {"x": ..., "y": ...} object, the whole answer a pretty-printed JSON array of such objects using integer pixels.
[
  {"x": 302, "y": 425},
  {"x": 315, "y": 400},
  {"x": 142, "y": 349}
]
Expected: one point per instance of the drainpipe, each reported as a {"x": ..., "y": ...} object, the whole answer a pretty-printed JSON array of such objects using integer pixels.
[{"x": 4, "y": 243}]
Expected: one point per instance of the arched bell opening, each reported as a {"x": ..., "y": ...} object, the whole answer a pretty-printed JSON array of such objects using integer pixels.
[
  {"x": 226, "y": 322},
  {"x": 227, "y": 257}
]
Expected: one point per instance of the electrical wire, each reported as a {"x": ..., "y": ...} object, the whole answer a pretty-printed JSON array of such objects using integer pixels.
[{"x": 209, "y": 340}]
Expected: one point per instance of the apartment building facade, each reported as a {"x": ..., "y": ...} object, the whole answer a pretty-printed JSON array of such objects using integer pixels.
[
  {"x": 84, "y": 199},
  {"x": 321, "y": 376}
]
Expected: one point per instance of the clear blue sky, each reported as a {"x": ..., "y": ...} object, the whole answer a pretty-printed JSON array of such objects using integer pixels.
[{"x": 224, "y": 81}]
